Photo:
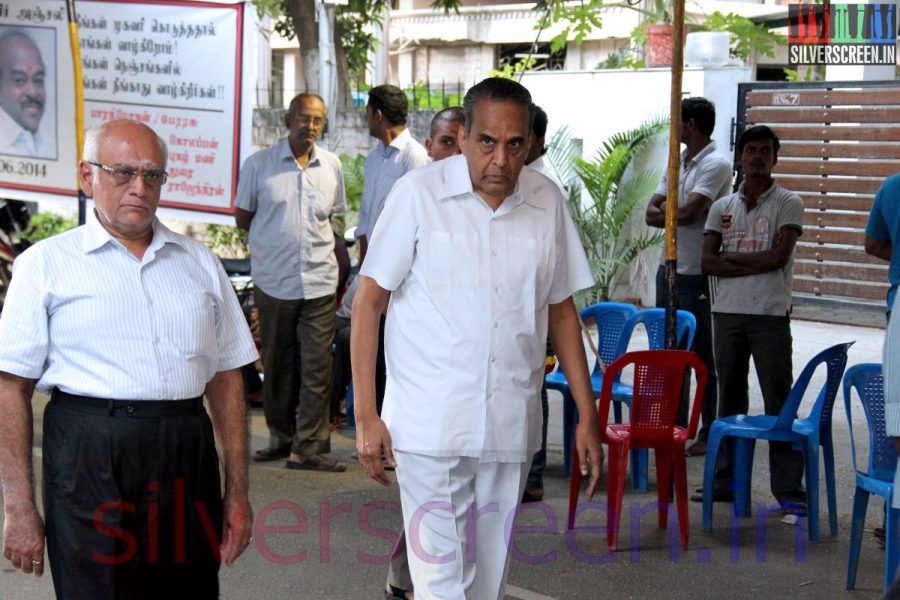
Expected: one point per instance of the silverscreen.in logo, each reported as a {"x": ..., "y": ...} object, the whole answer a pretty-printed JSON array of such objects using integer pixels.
[{"x": 842, "y": 34}]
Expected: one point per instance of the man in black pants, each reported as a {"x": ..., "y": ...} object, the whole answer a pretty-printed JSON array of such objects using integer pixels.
[{"x": 130, "y": 325}]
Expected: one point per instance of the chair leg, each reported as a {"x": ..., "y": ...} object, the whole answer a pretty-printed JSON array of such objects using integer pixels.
[
  {"x": 892, "y": 546},
  {"x": 830, "y": 488},
  {"x": 709, "y": 474},
  {"x": 743, "y": 471},
  {"x": 679, "y": 464},
  {"x": 640, "y": 466},
  {"x": 618, "y": 463},
  {"x": 663, "y": 484},
  {"x": 857, "y": 522},
  {"x": 811, "y": 460},
  {"x": 570, "y": 419},
  {"x": 574, "y": 490}
]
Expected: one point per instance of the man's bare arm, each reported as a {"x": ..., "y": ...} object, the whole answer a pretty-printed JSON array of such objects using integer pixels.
[
  {"x": 23, "y": 529},
  {"x": 243, "y": 218},
  {"x": 773, "y": 258},
  {"x": 565, "y": 335},
  {"x": 228, "y": 411},
  {"x": 372, "y": 436},
  {"x": 693, "y": 210},
  {"x": 879, "y": 248}
]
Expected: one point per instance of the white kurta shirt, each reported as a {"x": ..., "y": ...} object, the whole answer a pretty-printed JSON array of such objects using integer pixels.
[
  {"x": 467, "y": 324},
  {"x": 84, "y": 315},
  {"x": 383, "y": 167}
]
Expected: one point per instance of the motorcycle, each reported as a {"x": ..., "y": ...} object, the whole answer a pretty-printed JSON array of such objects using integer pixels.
[
  {"x": 14, "y": 219},
  {"x": 238, "y": 271}
]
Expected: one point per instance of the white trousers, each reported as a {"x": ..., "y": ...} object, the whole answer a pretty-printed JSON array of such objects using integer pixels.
[{"x": 458, "y": 513}]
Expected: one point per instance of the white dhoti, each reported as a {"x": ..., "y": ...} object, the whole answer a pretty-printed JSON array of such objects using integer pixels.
[{"x": 458, "y": 513}]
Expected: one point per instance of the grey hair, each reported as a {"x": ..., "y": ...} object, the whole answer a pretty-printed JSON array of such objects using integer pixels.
[{"x": 91, "y": 149}]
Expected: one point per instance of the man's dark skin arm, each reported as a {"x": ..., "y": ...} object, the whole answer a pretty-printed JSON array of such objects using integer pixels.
[
  {"x": 693, "y": 210},
  {"x": 879, "y": 248},
  {"x": 740, "y": 264},
  {"x": 228, "y": 411},
  {"x": 372, "y": 437},
  {"x": 243, "y": 218},
  {"x": 23, "y": 528}
]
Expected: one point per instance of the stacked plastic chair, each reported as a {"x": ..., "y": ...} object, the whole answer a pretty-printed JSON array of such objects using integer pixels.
[
  {"x": 807, "y": 433},
  {"x": 658, "y": 379},
  {"x": 610, "y": 318},
  {"x": 878, "y": 478},
  {"x": 654, "y": 322}
]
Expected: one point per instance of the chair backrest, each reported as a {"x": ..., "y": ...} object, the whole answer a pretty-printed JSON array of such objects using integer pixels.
[
  {"x": 610, "y": 318},
  {"x": 868, "y": 382},
  {"x": 658, "y": 379},
  {"x": 654, "y": 321},
  {"x": 835, "y": 360}
]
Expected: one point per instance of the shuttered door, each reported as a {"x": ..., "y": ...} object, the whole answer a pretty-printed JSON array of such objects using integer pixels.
[{"x": 838, "y": 143}]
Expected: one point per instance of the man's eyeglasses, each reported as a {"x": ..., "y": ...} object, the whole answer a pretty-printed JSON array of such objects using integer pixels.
[
  {"x": 125, "y": 175},
  {"x": 306, "y": 120}
]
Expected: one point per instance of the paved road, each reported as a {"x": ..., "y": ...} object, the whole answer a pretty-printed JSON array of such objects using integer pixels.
[{"x": 336, "y": 531}]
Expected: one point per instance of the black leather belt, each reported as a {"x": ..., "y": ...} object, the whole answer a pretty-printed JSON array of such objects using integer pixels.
[{"x": 128, "y": 408}]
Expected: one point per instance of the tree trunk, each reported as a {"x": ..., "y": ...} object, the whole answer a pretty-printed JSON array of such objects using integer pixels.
[
  {"x": 343, "y": 99},
  {"x": 303, "y": 15}
]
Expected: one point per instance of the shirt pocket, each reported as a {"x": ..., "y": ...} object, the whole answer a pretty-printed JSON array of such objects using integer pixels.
[
  {"x": 323, "y": 204},
  {"x": 187, "y": 322},
  {"x": 452, "y": 271}
]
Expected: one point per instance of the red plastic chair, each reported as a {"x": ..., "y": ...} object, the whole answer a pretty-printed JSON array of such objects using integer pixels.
[{"x": 658, "y": 379}]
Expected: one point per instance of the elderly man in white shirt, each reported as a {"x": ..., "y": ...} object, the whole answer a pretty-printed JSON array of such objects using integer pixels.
[
  {"x": 287, "y": 196},
  {"x": 396, "y": 154},
  {"x": 22, "y": 96},
  {"x": 478, "y": 258},
  {"x": 129, "y": 325}
]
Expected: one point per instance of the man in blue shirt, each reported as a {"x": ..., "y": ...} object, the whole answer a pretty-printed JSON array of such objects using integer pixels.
[{"x": 883, "y": 228}]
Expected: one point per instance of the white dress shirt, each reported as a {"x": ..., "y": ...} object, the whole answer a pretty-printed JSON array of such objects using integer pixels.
[
  {"x": 291, "y": 238},
  {"x": 467, "y": 322},
  {"x": 891, "y": 370},
  {"x": 16, "y": 141},
  {"x": 86, "y": 316},
  {"x": 383, "y": 167},
  {"x": 547, "y": 171}
]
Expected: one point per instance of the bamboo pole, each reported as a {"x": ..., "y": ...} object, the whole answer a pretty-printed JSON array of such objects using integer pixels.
[
  {"x": 75, "y": 46},
  {"x": 674, "y": 170}
]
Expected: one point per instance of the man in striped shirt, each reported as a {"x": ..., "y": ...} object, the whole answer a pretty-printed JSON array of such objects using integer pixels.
[{"x": 129, "y": 326}]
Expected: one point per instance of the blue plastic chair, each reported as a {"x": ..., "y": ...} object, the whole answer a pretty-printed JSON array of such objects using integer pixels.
[
  {"x": 654, "y": 322},
  {"x": 610, "y": 318},
  {"x": 808, "y": 434},
  {"x": 878, "y": 478}
]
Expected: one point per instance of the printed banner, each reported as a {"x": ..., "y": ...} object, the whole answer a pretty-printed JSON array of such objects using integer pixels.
[
  {"x": 842, "y": 34},
  {"x": 175, "y": 67}
]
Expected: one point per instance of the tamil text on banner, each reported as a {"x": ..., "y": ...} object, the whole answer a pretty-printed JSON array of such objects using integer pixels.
[{"x": 174, "y": 66}]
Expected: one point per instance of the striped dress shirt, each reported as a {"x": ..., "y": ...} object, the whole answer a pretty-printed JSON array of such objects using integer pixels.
[{"x": 86, "y": 316}]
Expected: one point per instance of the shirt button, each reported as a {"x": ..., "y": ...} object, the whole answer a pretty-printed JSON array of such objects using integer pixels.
[
  {"x": 495, "y": 325},
  {"x": 129, "y": 409},
  {"x": 156, "y": 340},
  {"x": 497, "y": 289},
  {"x": 150, "y": 301},
  {"x": 493, "y": 359}
]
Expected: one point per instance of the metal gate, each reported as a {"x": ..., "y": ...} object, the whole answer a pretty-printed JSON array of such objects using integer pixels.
[{"x": 839, "y": 140}]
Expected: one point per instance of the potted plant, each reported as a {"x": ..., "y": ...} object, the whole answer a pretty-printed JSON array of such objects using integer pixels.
[{"x": 603, "y": 202}]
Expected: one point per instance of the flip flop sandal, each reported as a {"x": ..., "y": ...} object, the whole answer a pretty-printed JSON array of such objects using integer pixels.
[{"x": 316, "y": 463}]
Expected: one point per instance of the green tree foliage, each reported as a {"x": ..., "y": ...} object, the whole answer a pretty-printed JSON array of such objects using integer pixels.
[
  {"x": 353, "y": 179},
  {"x": 603, "y": 202},
  {"x": 47, "y": 224}
]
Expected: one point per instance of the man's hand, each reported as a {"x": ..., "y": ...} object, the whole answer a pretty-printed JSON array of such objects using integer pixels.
[
  {"x": 23, "y": 539},
  {"x": 237, "y": 528},
  {"x": 590, "y": 453},
  {"x": 372, "y": 442}
]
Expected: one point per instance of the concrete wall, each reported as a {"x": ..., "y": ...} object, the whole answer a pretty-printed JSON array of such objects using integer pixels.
[
  {"x": 347, "y": 133},
  {"x": 594, "y": 105}
]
